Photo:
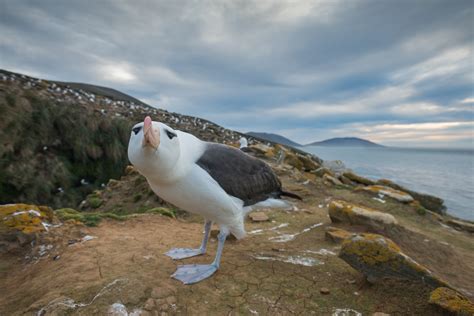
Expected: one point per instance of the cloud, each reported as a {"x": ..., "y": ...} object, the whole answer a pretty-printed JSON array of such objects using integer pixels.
[{"x": 306, "y": 68}]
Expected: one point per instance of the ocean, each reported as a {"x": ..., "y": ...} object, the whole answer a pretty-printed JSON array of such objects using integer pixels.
[{"x": 446, "y": 173}]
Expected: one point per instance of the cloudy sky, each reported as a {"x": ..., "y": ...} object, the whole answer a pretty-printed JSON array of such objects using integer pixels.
[{"x": 399, "y": 72}]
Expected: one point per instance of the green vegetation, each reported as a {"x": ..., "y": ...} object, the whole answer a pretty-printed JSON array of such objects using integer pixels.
[
  {"x": 94, "y": 218},
  {"x": 45, "y": 145}
]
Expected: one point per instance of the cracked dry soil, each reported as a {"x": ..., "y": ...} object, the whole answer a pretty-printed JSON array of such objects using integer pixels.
[{"x": 282, "y": 267}]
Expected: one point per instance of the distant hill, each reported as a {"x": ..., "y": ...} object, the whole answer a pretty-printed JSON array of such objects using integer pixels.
[
  {"x": 275, "y": 138},
  {"x": 345, "y": 142}
]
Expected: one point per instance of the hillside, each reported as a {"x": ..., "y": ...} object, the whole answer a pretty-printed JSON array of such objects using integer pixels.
[
  {"x": 60, "y": 141},
  {"x": 274, "y": 138},
  {"x": 345, "y": 142},
  {"x": 352, "y": 246}
]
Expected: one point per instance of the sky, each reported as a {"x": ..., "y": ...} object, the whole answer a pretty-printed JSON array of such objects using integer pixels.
[{"x": 397, "y": 72}]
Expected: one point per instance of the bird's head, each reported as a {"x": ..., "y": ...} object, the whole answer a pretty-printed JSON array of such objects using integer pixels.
[{"x": 153, "y": 148}]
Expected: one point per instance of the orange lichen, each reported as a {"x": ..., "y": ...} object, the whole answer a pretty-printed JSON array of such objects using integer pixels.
[
  {"x": 24, "y": 217},
  {"x": 452, "y": 301},
  {"x": 372, "y": 249}
]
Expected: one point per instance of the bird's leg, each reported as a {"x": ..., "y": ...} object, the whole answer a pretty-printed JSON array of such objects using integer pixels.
[
  {"x": 193, "y": 273},
  {"x": 181, "y": 253}
]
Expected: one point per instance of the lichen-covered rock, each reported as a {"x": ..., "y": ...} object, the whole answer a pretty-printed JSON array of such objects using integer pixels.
[
  {"x": 356, "y": 178},
  {"x": 336, "y": 166},
  {"x": 331, "y": 179},
  {"x": 461, "y": 225},
  {"x": 452, "y": 301},
  {"x": 21, "y": 223},
  {"x": 394, "y": 194},
  {"x": 321, "y": 171},
  {"x": 346, "y": 180},
  {"x": 298, "y": 160},
  {"x": 337, "y": 235},
  {"x": 25, "y": 218},
  {"x": 430, "y": 202},
  {"x": 378, "y": 257},
  {"x": 341, "y": 211},
  {"x": 261, "y": 151}
]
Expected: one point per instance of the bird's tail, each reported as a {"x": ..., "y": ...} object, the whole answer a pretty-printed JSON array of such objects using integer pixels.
[{"x": 291, "y": 195}]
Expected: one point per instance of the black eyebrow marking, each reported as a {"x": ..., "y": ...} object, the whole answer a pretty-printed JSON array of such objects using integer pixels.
[
  {"x": 136, "y": 129},
  {"x": 170, "y": 134}
]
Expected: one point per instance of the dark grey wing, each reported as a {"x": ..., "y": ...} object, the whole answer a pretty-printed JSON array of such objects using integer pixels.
[{"x": 239, "y": 174}]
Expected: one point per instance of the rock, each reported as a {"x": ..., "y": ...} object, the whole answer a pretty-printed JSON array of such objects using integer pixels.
[
  {"x": 21, "y": 223},
  {"x": 394, "y": 194},
  {"x": 356, "y": 178},
  {"x": 341, "y": 211},
  {"x": 337, "y": 235},
  {"x": 380, "y": 314},
  {"x": 331, "y": 179},
  {"x": 451, "y": 301},
  {"x": 324, "y": 291},
  {"x": 378, "y": 257},
  {"x": 258, "y": 217},
  {"x": 432, "y": 203},
  {"x": 261, "y": 151},
  {"x": 321, "y": 171},
  {"x": 346, "y": 180},
  {"x": 461, "y": 225},
  {"x": 117, "y": 309},
  {"x": 336, "y": 166}
]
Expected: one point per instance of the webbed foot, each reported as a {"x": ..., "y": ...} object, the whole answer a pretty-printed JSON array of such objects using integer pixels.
[
  {"x": 193, "y": 273},
  {"x": 181, "y": 253}
]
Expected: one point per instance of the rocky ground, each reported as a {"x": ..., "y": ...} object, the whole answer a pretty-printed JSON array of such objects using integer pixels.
[
  {"x": 353, "y": 246},
  {"x": 288, "y": 263}
]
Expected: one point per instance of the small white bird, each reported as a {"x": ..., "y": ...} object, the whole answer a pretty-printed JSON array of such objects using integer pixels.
[{"x": 219, "y": 182}]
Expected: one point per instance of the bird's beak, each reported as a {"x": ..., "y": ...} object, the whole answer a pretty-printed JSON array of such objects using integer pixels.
[{"x": 150, "y": 137}]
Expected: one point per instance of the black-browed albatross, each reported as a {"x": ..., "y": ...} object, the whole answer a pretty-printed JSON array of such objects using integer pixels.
[{"x": 217, "y": 181}]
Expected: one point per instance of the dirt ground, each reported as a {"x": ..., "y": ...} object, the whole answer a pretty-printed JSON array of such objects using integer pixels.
[{"x": 281, "y": 267}]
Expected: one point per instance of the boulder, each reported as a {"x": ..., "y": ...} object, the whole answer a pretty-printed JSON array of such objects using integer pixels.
[
  {"x": 346, "y": 180},
  {"x": 321, "y": 171},
  {"x": 341, "y": 211},
  {"x": 299, "y": 161},
  {"x": 432, "y": 203},
  {"x": 332, "y": 179},
  {"x": 336, "y": 166},
  {"x": 21, "y": 223},
  {"x": 356, "y": 178},
  {"x": 394, "y": 194},
  {"x": 461, "y": 225},
  {"x": 337, "y": 235},
  {"x": 261, "y": 151},
  {"x": 378, "y": 257},
  {"x": 451, "y": 301}
]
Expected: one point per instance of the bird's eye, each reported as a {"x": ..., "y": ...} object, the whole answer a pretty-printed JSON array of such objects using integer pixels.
[
  {"x": 170, "y": 134},
  {"x": 137, "y": 129}
]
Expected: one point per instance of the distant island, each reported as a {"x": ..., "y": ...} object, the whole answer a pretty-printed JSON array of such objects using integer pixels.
[
  {"x": 275, "y": 138},
  {"x": 345, "y": 142},
  {"x": 332, "y": 142}
]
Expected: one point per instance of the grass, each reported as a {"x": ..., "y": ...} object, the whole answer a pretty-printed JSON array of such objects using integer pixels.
[{"x": 94, "y": 218}]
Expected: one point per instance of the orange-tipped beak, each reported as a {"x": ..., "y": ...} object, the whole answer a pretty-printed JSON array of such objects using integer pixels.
[{"x": 150, "y": 136}]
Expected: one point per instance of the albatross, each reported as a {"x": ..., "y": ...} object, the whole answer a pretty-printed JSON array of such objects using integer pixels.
[{"x": 217, "y": 181}]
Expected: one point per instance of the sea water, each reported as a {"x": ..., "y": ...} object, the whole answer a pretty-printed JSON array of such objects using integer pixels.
[{"x": 446, "y": 173}]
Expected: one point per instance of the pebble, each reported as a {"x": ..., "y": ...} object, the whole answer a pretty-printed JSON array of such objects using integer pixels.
[
  {"x": 258, "y": 217},
  {"x": 324, "y": 290},
  {"x": 380, "y": 314}
]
